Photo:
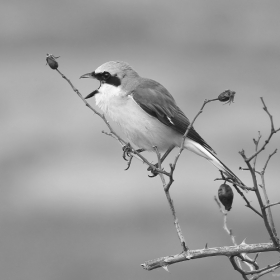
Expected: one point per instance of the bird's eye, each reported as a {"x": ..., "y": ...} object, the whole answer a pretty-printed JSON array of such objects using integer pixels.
[{"x": 106, "y": 75}]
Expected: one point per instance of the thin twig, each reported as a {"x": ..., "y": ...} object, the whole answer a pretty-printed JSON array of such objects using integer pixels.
[
  {"x": 171, "y": 204},
  {"x": 244, "y": 257},
  {"x": 269, "y": 157},
  {"x": 265, "y": 218},
  {"x": 272, "y": 131},
  {"x": 265, "y": 271},
  {"x": 272, "y": 204},
  {"x": 248, "y": 204},
  {"x": 225, "y": 227},
  {"x": 270, "y": 217},
  {"x": 256, "y": 144},
  {"x": 187, "y": 131},
  {"x": 230, "y": 180}
]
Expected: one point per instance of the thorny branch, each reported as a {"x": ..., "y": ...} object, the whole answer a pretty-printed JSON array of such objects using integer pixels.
[{"x": 209, "y": 252}]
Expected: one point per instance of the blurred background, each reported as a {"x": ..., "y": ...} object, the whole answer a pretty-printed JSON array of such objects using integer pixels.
[{"x": 68, "y": 209}]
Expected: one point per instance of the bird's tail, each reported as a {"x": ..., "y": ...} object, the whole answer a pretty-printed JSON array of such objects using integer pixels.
[{"x": 201, "y": 151}]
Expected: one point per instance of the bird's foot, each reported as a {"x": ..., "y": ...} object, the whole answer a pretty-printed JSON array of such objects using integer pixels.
[
  {"x": 127, "y": 150},
  {"x": 129, "y": 163},
  {"x": 153, "y": 170}
]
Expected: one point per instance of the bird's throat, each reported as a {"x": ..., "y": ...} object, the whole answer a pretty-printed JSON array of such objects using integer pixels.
[{"x": 109, "y": 98}]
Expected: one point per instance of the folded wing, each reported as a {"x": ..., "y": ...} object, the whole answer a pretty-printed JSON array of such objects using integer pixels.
[{"x": 155, "y": 100}]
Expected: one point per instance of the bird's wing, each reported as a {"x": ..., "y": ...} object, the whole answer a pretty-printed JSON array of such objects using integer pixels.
[{"x": 155, "y": 100}]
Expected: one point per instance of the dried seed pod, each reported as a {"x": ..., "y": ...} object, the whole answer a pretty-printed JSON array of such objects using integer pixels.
[
  {"x": 227, "y": 95},
  {"x": 51, "y": 61},
  {"x": 225, "y": 194}
]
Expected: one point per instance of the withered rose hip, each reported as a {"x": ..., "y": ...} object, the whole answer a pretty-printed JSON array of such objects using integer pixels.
[
  {"x": 225, "y": 194},
  {"x": 227, "y": 95},
  {"x": 51, "y": 61}
]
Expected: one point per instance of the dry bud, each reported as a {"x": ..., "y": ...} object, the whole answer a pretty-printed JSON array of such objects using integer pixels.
[
  {"x": 51, "y": 61},
  {"x": 225, "y": 194},
  {"x": 227, "y": 95}
]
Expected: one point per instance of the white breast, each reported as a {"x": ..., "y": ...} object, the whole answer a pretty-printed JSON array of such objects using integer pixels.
[{"x": 140, "y": 128}]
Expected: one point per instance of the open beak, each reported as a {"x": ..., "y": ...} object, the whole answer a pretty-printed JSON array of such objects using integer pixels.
[
  {"x": 92, "y": 94},
  {"x": 90, "y": 75}
]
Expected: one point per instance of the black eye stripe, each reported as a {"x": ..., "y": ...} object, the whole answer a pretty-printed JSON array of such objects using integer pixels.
[
  {"x": 98, "y": 76},
  {"x": 113, "y": 80},
  {"x": 106, "y": 75}
]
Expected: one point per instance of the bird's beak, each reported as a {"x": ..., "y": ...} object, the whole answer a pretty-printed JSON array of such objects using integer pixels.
[
  {"x": 92, "y": 94},
  {"x": 90, "y": 75}
]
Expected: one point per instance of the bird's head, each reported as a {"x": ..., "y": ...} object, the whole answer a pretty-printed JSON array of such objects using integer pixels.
[{"x": 115, "y": 74}]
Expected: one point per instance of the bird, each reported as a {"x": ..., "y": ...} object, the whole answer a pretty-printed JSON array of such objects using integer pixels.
[{"x": 147, "y": 113}]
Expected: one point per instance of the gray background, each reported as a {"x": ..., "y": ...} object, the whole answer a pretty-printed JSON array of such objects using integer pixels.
[{"x": 68, "y": 210}]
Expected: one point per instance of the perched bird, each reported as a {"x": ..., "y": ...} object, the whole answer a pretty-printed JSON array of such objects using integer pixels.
[{"x": 147, "y": 113}]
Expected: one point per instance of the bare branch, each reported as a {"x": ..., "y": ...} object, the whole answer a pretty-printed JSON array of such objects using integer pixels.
[
  {"x": 233, "y": 260},
  {"x": 268, "y": 220},
  {"x": 264, "y": 271},
  {"x": 225, "y": 227},
  {"x": 269, "y": 157},
  {"x": 272, "y": 131},
  {"x": 272, "y": 204},
  {"x": 171, "y": 204},
  {"x": 264, "y": 216},
  {"x": 256, "y": 144},
  {"x": 209, "y": 252},
  {"x": 248, "y": 204},
  {"x": 187, "y": 131},
  {"x": 270, "y": 217},
  {"x": 230, "y": 180}
]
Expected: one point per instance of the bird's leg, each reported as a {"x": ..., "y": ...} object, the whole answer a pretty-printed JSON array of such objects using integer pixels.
[{"x": 154, "y": 173}]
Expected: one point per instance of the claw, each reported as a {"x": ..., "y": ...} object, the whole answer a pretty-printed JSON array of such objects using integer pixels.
[
  {"x": 154, "y": 173},
  {"x": 129, "y": 163},
  {"x": 126, "y": 151}
]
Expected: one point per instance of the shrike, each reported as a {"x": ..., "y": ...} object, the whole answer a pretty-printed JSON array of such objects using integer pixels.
[{"x": 146, "y": 112}]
